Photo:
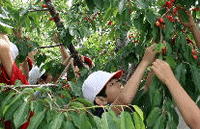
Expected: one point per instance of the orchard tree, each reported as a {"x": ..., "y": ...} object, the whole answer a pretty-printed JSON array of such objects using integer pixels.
[{"x": 114, "y": 33}]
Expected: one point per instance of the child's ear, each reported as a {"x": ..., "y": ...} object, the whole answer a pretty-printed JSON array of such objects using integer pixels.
[{"x": 101, "y": 101}]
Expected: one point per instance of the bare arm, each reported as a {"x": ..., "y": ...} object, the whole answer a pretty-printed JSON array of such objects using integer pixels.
[
  {"x": 187, "y": 107},
  {"x": 192, "y": 27},
  {"x": 131, "y": 88}
]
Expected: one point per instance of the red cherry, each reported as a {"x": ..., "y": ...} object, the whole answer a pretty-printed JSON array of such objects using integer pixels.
[
  {"x": 161, "y": 20},
  {"x": 195, "y": 57},
  {"x": 25, "y": 125},
  {"x": 110, "y": 23},
  {"x": 175, "y": 11},
  {"x": 130, "y": 11},
  {"x": 30, "y": 115},
  {"x": 169, "y": 4},
  {"x": 173, "y": 41},
  {"x": 194, "y": 52},
  {"x": 164, "y": 49},
  {"x": 189, "y": 41},
  {"x": 172, "y": 1},
  {"x": 44, "y": 6},
  {"x": 157, "y": 23},
  {"x": 86, "y": 18},
  {"x": 88, "y": 61},
  {"x": 169, "y": 18},
  {"x": 51, "y": 18},
  {"x": 196, "y": 9}
]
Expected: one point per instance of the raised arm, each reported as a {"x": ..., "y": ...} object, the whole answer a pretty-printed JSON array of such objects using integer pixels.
[
  {"x": 192, "y": 27},
  {"x": 189, "y": 110},
  {"x": 130, "y": 89}
]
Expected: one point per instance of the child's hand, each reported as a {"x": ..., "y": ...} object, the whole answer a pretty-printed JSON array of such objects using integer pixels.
[{"x": 162, "y": 70}]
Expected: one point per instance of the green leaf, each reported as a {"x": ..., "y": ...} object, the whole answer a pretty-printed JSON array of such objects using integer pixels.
[
  {"x": 84, "y": 122},
  {"x": 160, "y": 122},
  {"x": 17, "y": 97},
  {"x": 36, "y": 120},
  {"x": 184, "y": 16},
  {"x": 21, "y": 115},
  {"x": 57, "y": 121},
  {"x": 11, "y": 110},
  {"x": 139, "y": 111},
  {"x": 195, "y": 76},
  {"x": 138, "y": 20},
  {"x": 151, "y": 17},
  {"x": 126, "y": 121},
  {"x": 68, "y": 125},
  {"x": 99, "y": 3},
  {"x": 90, "y": 4},
  {"x": 4, "y": 28},
  {"x": 168, "y": 30},
  {"x": 84, "y": 101},
  {"x": 107, "y": 121},
  {"x": 107, "y": 14},
  {"x": 180, "y": 73},
  {"x": 157, "y": 99},
  {"x": 153, "y": 116},
  {"x": 75, "y": 117},
  {"x": 170, "y": 122},
  {"x": 138, "y": 122}
]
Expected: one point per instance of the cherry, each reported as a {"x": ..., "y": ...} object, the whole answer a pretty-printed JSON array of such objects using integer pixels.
[
  {"x": 196, "y": 9},
  {"x": 157, "y": 23},
  {"x": 169, "y": 4},
  {"x": 175, "y": 11},
  {"x": 195, "y": 57},
  {"x": 110, "y": 23},
  {"x": 164, "y": 49},
  {"x": 51, "y": 18},
  {"x": 194, "y": 52},
  {"x": 169, "y": 18},
  {"x": 173, "y": 41},
  {"x": 87, "y": 18},
  {"x": 44, "y": 6},
  {"x": 130, "y": 11},
  {"x": 161, "y": 20}
]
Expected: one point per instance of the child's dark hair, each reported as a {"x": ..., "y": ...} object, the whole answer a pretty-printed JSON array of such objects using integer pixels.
[{"x": 102, "y": 93}]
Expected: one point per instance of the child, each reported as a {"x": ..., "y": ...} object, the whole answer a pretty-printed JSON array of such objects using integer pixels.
[
  {"x": 104, "y": 88},
  {"x": 9, "y": 72}
]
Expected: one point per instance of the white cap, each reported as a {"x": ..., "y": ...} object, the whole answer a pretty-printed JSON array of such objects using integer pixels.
[
  {"x": 14, "y": 51},
  {"x": 95, "y": 83},
  {"x": 34, "y": 74}
]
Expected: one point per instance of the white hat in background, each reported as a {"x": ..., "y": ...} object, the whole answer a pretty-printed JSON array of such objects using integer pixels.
[
  {"x": 95, "y": 83},
  {"x": 35, "y": 74}
]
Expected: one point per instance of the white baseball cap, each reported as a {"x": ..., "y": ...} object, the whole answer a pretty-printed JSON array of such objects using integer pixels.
[{"x": 95, "y": 83}]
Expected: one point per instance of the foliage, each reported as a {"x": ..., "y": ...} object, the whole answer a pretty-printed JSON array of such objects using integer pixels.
[{"x": 115, "y": 34}]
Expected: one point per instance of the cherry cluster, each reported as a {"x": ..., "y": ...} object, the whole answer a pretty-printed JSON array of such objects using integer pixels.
[{"x": 194, "y": 51}]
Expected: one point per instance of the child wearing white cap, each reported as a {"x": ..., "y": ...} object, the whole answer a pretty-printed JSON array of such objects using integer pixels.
[{"x": 104, "y": 88}]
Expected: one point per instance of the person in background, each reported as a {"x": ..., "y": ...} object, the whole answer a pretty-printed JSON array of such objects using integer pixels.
[{"x": 9, "y": 72}]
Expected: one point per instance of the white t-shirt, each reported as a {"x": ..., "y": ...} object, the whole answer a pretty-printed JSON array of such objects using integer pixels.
[
  {"x": 14, "y": 50},
  {"x": 34, "y": 74}
]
